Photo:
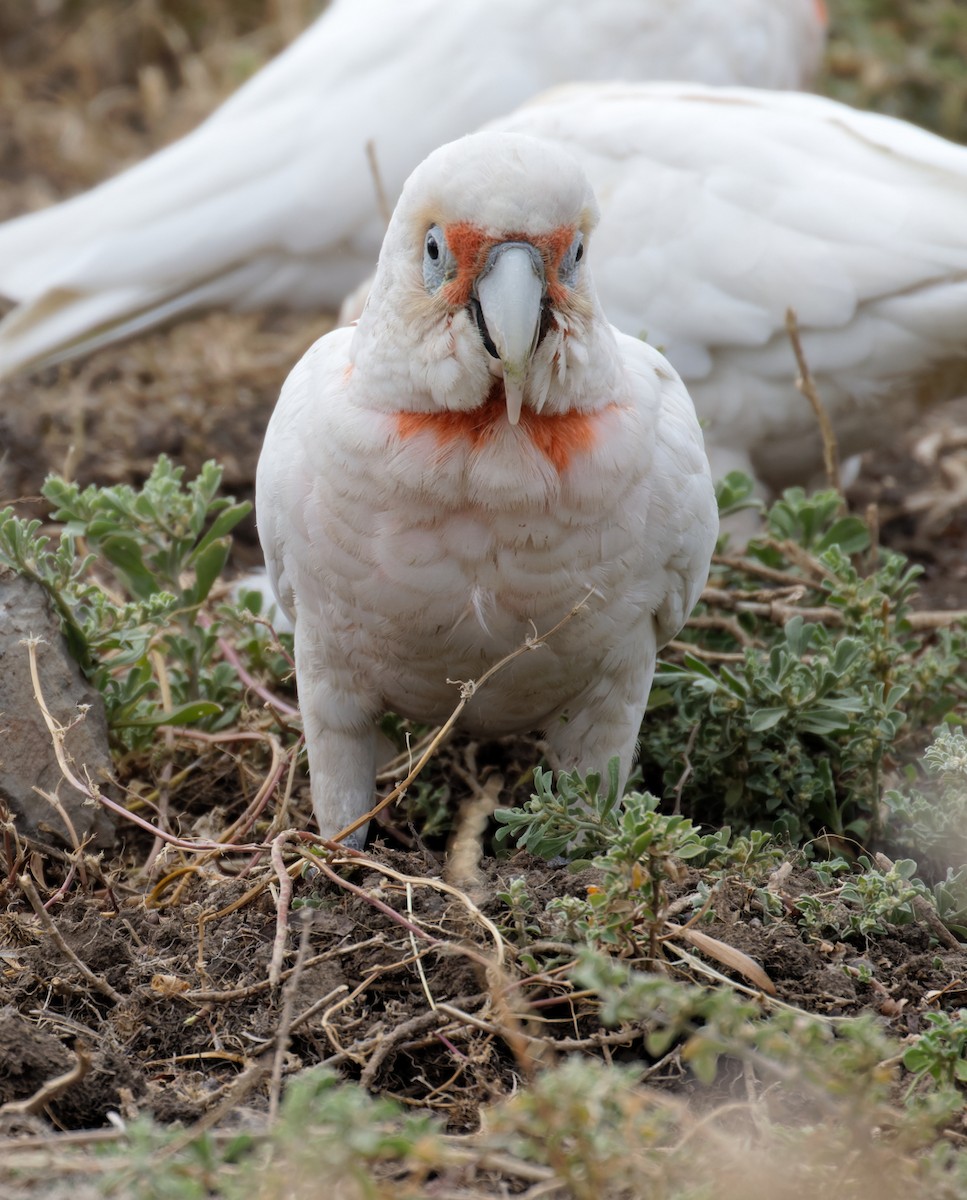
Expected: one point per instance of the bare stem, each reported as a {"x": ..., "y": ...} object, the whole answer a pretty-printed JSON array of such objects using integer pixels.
[{"x": 807, "y": 385}]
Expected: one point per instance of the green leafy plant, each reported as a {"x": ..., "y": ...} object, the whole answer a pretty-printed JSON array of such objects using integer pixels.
[
  {"x": 813, "y": 521},
  {"x": 714, "y": 1022},
  {"x": 865, "y": 901},
  {"x": 941, "y": 1050},
  {"x": 637, "y": 850},
  {"x": 572, "y": 815},
  {"x": 802, "y": 689},
  {"x": 320, "y": 1118},
  {"x": 745, "y": 856},
  {"x": 128, "y": 576},
  {"x": 520, "y": 909},
  {"x": 932, "y": 822},
  {"x": 736, "y": 493},
  {"x": 950, "y": 897}
]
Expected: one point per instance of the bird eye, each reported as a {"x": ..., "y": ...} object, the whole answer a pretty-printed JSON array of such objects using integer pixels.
[
  {"x": 438, "y": 262},
  {"x": 567, "y": 272}
]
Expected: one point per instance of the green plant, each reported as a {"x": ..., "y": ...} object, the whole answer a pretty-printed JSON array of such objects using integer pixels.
[
  {"x": 804, "y": 677},
  {"x": 866, "y": 901},
  {"x": 571, "y": 816},
  {"x": 941, "y": 1050},
  {"x": 320, "y": 1119},
  {"x": 128, "y": 577},
  {"x": 711, "y": 1023},
  {"x": 588, "y": 1124},
  {"x": 747, "y": 856},
  {"x": 637, "y": 850},
  {"x": 520, "y": 908},
  {"x": 933, "y": 823},
  {"x": 813, "y": 521},
  {"x": 735, "y": 493},
  {"x": 950, "y": 897}
]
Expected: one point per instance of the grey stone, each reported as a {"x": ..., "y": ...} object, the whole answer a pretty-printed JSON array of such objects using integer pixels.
[{"x": 27, "y": 758}]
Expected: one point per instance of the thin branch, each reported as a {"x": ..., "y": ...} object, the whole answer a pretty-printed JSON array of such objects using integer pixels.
[
  {"x": 924, "y": 910},
  {"x": 53, "y": 1088},
  {"x": 382, "y": 200},
  {"x": 806, "y": 384},
  {"x": 284, "y": 1030},
  {"x": 281, "y": 908}
]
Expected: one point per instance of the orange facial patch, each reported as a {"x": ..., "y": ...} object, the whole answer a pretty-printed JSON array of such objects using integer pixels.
[
  {"x": 558, "y": 436},
  {"x": 470, "y": 246}
]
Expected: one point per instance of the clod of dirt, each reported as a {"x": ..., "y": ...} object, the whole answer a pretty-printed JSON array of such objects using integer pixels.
[
  {"x": 28, "y": 763},
  {"x": 31, "y": 1056}
]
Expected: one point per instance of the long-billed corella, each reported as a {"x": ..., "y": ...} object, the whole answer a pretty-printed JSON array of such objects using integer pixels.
[
  {"x": 723, "y": 208},
  {"x": 481, "y": 455}
]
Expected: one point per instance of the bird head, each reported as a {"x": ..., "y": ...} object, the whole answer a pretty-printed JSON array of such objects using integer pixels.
[{"x": 484, "y": 263}]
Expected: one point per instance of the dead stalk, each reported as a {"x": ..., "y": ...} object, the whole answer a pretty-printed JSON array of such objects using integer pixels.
[
  {"x": 806, "y": 384},
  {"x": 284, "y": 1030},
  {"x": 382, "y": 200},
  {"x": 281, "y": 907}
]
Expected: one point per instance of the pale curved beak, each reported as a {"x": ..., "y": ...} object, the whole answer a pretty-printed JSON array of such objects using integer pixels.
[{"x": 510, "y": 291}]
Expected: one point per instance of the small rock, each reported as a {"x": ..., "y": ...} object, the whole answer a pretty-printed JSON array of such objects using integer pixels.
[{"x": 27, "y": 759}]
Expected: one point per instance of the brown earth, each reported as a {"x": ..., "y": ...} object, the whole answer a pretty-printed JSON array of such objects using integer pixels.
[{"x": 193, "y": 1013}]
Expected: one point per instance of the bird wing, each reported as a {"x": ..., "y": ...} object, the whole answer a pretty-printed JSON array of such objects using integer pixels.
[
  {"x": 682, "y": 520},
  {"x": 309, "y": 401},
  {"x": 272, "y": 201}
]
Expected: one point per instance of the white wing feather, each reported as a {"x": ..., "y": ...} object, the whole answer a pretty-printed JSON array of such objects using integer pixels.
[
  {"x": 271, "y": 201},
  {"x": 720, "y": 209}
]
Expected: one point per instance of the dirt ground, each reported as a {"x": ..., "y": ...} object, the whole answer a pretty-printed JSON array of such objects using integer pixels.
[
  {"x": 183, "y": 1006},
  {"x": 176, "y": 1011}
]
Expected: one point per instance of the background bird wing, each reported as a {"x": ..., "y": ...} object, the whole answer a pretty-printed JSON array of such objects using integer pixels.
[
  {"x": 720, "y": 208},
  {"x": 272, "y": 201}
]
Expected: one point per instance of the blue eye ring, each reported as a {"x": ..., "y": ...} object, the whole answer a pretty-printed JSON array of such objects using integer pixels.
[
  {"x": 439, "y": 266},
  {"x": 567, "y": 271}
]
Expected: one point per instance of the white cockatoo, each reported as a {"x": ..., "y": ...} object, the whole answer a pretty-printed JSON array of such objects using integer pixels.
[
  {"x": 461, "y": 469},
  {"x": 272, "y": 200}
]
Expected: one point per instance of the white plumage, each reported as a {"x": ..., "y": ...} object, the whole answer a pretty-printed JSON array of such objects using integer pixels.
[
  {"x": 482, "y": 452},
  {"x": 721, "y": 208},
  {"x": 271, "y": 200}
]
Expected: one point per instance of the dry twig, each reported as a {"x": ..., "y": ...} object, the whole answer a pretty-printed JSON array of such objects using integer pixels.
[
  {"x": 283, "y": 1033},
  {"x": 806, "y": 384},
  {"x": 53, "y": 1088}
]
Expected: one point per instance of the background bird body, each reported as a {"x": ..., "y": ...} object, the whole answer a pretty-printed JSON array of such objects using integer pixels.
[
  {"x": 720, "y": 209},
  {"x": 272, "y": 201},
  {"x": 419, "y": 535}
]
